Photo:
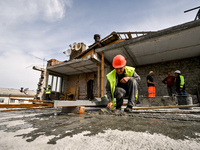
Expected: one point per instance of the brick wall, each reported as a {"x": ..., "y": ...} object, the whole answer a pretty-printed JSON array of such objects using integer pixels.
[
  {"x": 81, "y": 81},
  {"x": 190, "y": 69}
]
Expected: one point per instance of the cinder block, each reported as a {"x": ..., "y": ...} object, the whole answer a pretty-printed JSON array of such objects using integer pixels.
[{"x": 157, "y": 101}]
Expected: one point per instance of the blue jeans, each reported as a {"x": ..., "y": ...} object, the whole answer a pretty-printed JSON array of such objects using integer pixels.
[{"x": 182, "y": 92}]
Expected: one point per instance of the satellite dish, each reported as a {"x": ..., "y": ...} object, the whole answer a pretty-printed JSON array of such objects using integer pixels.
[
  {"x": 73, "y": 46},
  {"x": 26, "y": 91},
  {"x": 68, "y": 52},
  {"x": 78, "y": 46}
]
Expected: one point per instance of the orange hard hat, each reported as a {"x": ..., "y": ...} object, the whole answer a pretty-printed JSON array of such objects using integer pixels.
[{"x": 119, "y": 61}]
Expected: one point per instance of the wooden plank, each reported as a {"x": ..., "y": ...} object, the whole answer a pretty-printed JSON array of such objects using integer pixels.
[
  {"x": 23, "y": 109},
  {"x": 170, "y": 111},
  {"x": 25, "y": 105},
  {"x": 32, "y": 100},
  {"x": 102, "y": 74},
  {"x": 165, "y": 107}
]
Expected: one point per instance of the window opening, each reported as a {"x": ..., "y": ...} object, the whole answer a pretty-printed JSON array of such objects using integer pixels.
[{"x": 90, "y": 89}]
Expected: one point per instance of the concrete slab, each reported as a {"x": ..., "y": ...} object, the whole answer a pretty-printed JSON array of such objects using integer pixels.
[
  {"x": 157, "y": 101},
  {"x": 97, "y": 102}
]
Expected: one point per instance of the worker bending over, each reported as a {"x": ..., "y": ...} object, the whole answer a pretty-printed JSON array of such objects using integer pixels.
[{"x": 122, "y": 82}]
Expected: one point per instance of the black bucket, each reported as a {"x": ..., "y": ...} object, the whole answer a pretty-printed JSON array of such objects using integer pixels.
[{"x": 184, "y": 100}]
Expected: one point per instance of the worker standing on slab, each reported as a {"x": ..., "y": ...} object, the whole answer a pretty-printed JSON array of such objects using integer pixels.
[
  {"x": 179, "y": 83},
  {"x": 122, "y": 82},
  {"x": 169, "y": 80},
  {"x": 151, "y": 85},
  {"x": 48, "y": 92}
]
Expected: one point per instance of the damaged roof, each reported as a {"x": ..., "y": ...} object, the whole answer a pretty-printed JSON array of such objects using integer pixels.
[{"x": 178, "y": 42}]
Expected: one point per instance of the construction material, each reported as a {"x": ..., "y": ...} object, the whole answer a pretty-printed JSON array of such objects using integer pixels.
[
  {"x": 23, "y": 109},
  {"x": 167, "y": 111},
  {"x": 76, "y": 103},
  {"x": 37, "y": 104},
  {"x": 32, "y": 100},
  {"x": 165, "y": 107},
  {"x": 72, "y": 93},
  {"x": 25, "y": 105}
]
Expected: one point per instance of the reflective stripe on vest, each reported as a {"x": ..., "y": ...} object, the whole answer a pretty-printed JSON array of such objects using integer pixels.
[
  {"x": 112, "y": 79},
  {"x": 182, "y": 82},
  {"x": 48, "y": 91}
]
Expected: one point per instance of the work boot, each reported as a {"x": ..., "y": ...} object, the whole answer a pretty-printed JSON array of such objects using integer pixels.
[
  {"x": 118, "y": 108},
  {"x": 128, "y": 109}
]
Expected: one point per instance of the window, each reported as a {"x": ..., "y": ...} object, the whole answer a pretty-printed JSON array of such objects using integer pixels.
[
  {"x": 1, "y": 100},
  {"x": 55, "y": 82},
  {"x": 21, "y": 102}
]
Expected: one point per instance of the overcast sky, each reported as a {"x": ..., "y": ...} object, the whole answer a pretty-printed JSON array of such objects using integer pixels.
[{"x": 33, "y": 30}]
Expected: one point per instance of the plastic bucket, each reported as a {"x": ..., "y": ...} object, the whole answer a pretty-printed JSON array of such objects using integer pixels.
[
  {"x": 82, "y": 110},
  {"x": 184, "y": 100}
]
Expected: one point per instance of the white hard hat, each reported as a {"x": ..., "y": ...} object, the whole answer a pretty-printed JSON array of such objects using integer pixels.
[
  {"x": 178, "y": 71},
  {"x": 150, "y": 72}
]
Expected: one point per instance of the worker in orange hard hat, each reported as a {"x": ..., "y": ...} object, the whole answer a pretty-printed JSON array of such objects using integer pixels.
[{"x": 122, "y": 82}]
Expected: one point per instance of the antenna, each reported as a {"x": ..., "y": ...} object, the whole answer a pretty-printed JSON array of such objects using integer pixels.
[
  {"x": 43, "y": 59},
  {"x": 198, "y": 13}
]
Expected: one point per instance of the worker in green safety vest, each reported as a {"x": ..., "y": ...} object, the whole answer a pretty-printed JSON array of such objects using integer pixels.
[
  {"x": 48, "y": 92},
  {"x": 122, "y": 82},
  {"x": 179, "y": 83}
]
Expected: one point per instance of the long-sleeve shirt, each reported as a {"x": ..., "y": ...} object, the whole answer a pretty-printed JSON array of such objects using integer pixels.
[{"x": 169, "y": 80}]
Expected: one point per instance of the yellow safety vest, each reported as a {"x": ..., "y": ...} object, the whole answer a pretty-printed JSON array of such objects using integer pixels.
[
  {"x": 112, "y": 79},
  {"x": 182, "y": 82},
  {"x": 48, "y": 91}
]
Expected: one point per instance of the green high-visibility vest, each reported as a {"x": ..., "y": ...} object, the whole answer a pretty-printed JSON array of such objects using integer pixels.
[
  {"x": 48, "y": 91},
  {"x": 112, "y": 79},
  {"x": 182, "y": 82}
]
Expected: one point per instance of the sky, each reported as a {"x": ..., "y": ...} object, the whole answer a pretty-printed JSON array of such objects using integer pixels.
[{"x": 34, "y": 31}]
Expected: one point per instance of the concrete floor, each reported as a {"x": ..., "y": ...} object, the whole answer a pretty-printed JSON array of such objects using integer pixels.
[{"x": 98, "y": 129}]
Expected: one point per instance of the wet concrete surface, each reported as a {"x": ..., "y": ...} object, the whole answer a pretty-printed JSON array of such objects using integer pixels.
[{"x": 50, "y": 122}]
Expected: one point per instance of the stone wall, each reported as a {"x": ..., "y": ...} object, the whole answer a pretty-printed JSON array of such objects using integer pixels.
[{"x": 190, "y": 69}]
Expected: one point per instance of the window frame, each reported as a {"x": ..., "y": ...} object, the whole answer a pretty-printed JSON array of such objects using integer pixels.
[{"x": 53, "y": 81}]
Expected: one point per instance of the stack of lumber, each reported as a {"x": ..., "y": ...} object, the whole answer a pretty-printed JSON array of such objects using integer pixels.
[{"x": 37, "y": 104}]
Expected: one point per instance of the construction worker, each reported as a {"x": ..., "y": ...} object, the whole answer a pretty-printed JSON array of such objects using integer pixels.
[
  {"x": 151, "y": 85},
  {"x": 121, "y": 83},
  {"x": 48, "y": 92},
  {"x": 179, "y": 83},
  {"x": 169, "y": 80}
]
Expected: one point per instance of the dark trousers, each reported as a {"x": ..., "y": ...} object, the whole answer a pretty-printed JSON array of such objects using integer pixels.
[
  {"x": 182, "y": 92},
  {"x": 48, "y": 97},
  {"x": 129, "y": 92},
  {"x": 170, "y": 90}
]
